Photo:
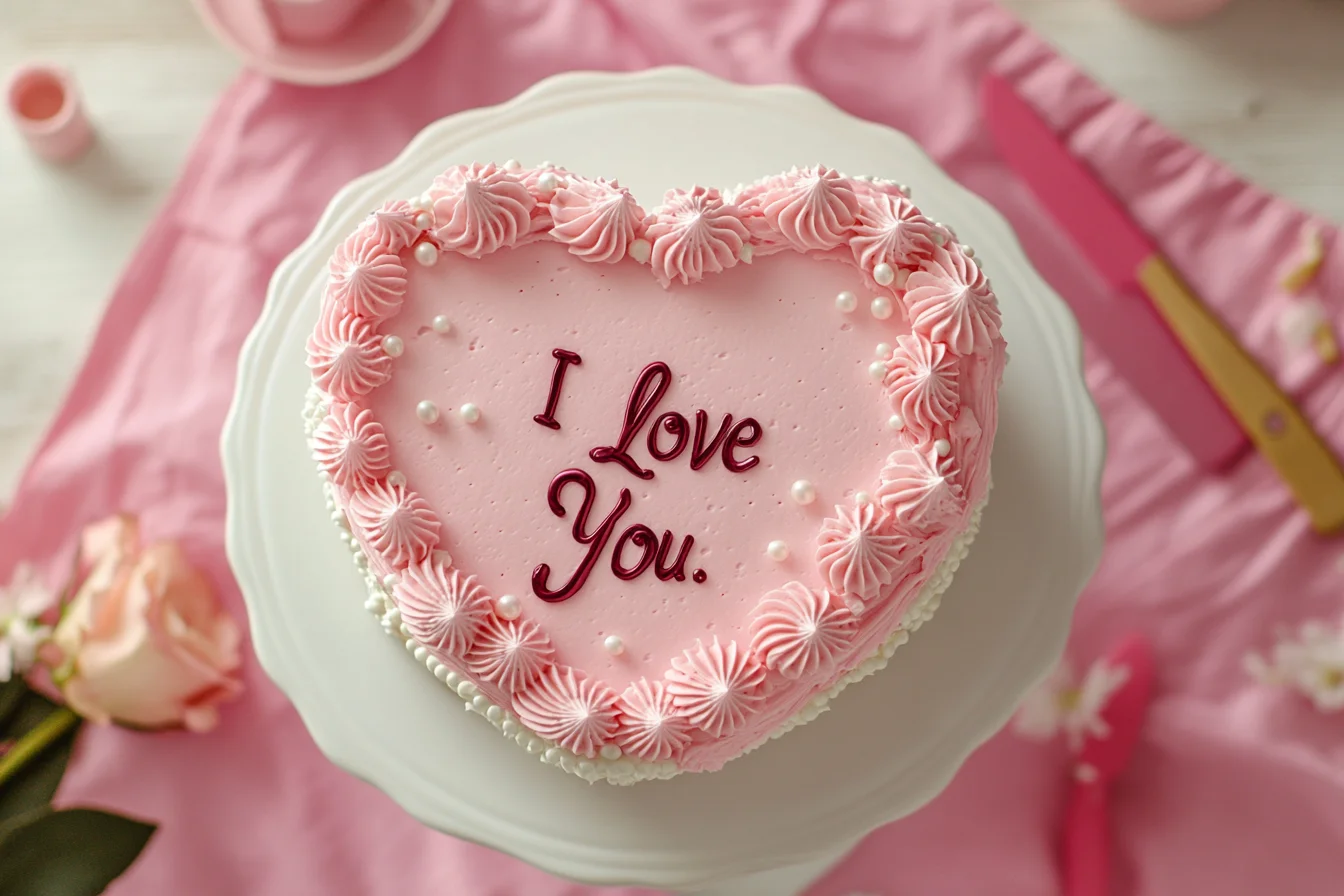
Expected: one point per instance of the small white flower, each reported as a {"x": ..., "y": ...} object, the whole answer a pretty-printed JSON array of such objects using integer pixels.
[
  {"x": 21, "y": 601},
  {"x": 1312, "y": 663},
  {"x": 1062, "y": 704}
]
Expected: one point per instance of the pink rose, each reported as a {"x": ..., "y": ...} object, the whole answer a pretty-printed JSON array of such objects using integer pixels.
[{"x": 143, "y": 641}]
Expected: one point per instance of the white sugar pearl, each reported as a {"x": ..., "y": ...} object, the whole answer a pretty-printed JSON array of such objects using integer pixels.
[
  {"x": 640, "y": 250},
  {"x": 943, "y": 447},
  {"x": 902, "y": 278},
  {"x": 877, "y": 370},
  {"x": 424, "y": 202},
  {"x": 846, "y": 302},
  {"x": 424, "y": 220},
  {"x": 967, "y": 251},
  {"x": 904, "y": 190},
  {"x": 441, "y": 324},
  {"x": 470, "y": 413},
  {"x": 745, "y": 253},
  {"x": 895, "y": 421},
  {"x": 507, "y": 607},
  {"x": 884, "y": 350},
  {"x": 803, "y": 492},
  {"x": 396, "y": 479},
  {"x": 512, "y": 165},
  {"x": 613, "y": 645},
  {"x": 390, "y": 580},
  {"x": 611, "y": 752},
  {"x": 426, "y": 253},
  {"x": 393, "y": 346},
  {"x": 881, "y": 308},
  {"x": 777, "y": 551},
  {"x": 863, "y": 498},
  {"x": 427, "y": 411},
  {"x": 548, "y": 182},
  {"x": 940, "y": 238},
  {"x": 884, "y": 274}
]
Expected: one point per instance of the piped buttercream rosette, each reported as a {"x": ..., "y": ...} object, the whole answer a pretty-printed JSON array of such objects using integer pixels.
[
  {"x": 921, "y": 380},
  {"x": 651, "y": 726},
  {"x": 694, "y": 233},
  {"x": 949, "y": 300},
  {"x": 443, "y": 609},
  {"x": 480, "y": 209},
  {"x": 345, "y": 356},
  {"x": 350, "y": 446},
  {"x": 393, "y": 225},
  {"x": 798, "y": 631},
  {"x": 858, "y": 551},
  {"x": 510, "y": 653},
  {"x": 595, "y": 219},
  {"x": 919, "y": 489},
  {"x": 716, "y": 685},
  {"x": 396, "y": 522},
  {"x": 564, "y": 706}
]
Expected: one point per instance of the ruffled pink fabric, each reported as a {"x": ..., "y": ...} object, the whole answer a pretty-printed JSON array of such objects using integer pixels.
[{"x": 1205, "y": 566}]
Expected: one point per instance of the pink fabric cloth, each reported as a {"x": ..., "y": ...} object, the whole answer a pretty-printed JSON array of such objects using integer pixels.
[{"x": 1234, "y": 789}]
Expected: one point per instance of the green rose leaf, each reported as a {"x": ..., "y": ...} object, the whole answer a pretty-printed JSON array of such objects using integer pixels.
[
  {"x": 71, "y": 852},
  {"x": 35, "y": 782},
  {"x": 11, "y": 694}
]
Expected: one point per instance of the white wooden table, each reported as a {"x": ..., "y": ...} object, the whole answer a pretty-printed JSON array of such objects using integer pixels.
[{"x": 1261, "y": 86}]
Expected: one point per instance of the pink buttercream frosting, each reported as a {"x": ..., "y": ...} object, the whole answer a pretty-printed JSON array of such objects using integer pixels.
[
  {"x": 479, "y": 209},
  {"x": 919, "y": 489},
  {"x": 890, "y": 230},
  {"x": 564, "y": 706},
  {"x": 694, "y": 233},
  {"x": 510, "y": 653},
  {"x": 716, "y": 685},
  {"x": 443, "y": 609},
  {"x": 393, "y": 225},
  {"x": 597, "y": 220},
  {"x": 346, "y": 355},
  {"x": 799, "y": 630},
  {"x": 922, "y": 382},
  {"x": 651, "y": 726},
  {"x": 368, "y": 279},
  {"x": 763, "y": 381},
  {"x": 814, "y": 209},
  {"x": 396, "y": 522},
  {"x": 858, "y": 552},
  {"x": 350, "y": 446},
  {"x": 949, "y": 301}
]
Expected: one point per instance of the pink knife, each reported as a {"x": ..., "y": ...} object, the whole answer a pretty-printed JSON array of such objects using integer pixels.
[
  {"x": 1086, "y": 846},
  {"x": 1114, "y": 315},
  {"x": 1225, "y": 396}
]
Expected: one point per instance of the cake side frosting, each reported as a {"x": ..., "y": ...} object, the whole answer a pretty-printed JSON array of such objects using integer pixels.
[{"x": 459, "y": 511}]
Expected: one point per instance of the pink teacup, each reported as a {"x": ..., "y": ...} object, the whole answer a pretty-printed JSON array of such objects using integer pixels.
[{"x": 312, "y": 21}]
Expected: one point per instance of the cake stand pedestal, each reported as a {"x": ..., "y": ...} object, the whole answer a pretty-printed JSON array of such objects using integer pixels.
[{"x": 770, "y": 822}]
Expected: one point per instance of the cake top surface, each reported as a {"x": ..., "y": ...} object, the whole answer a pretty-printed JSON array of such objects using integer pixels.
[{"x": 652, "y": 481}]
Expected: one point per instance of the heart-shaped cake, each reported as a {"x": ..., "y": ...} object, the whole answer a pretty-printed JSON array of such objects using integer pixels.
[{"x": 646, "y": 489}]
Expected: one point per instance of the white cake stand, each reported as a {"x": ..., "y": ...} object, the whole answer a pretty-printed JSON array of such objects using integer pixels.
[{"x": 888, "y": 745}]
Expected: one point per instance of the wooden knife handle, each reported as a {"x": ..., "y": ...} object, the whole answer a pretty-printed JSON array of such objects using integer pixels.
[{"x": 1274, "y": 424}]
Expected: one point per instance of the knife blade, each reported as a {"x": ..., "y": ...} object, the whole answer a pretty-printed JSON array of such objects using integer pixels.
[{"x": 1223, "y": 390}]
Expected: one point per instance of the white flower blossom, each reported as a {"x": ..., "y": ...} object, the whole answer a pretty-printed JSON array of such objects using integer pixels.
[
  {"x": 1063, "y": 704},
  {"x": 1311, "y": 663},
  {"x": 22, "y": 601}
]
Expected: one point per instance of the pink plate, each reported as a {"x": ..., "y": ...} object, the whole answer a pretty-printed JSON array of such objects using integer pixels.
[{"x": 382, "y": 34}]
